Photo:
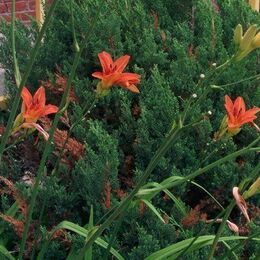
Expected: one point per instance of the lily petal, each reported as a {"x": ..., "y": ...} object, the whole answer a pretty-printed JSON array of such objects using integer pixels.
[
  {"x": 239, "y": 106},
  {"x": 37, "y": 127},
  {"x": 98, "y": 75},
  {"x": 27, "y": 97},
  {"x": 39, "y": 97},
  {"x": 106, "y": 61},
  {"x": 121, "y": 63},
  {"x": 50, "y": 109},
  {"x": 133, "y": 88}
]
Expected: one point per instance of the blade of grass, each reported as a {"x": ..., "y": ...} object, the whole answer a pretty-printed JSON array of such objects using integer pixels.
[
  {"x": 6, "y": 253},
  {"x": 80, "y": 231},
  {"x": 17, "y": 74},
  {"x": 153, "y": 209},
  {"x": 173, "y": 250},
  {"x": 88, "y": 254}
]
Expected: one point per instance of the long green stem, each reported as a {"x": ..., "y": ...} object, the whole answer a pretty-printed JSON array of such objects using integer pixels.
[
  {"x": 256, "y": 77},
  {"x": 220, "y": 229},
  {"x": 17, "y": 98},
  {"x": 113, "y": 236},
  {"x": 47, "y": 149},
  {"x": 17, "y": 74}
]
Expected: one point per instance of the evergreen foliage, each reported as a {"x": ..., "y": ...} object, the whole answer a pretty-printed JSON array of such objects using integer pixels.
[{"x": 171, "y": 43}]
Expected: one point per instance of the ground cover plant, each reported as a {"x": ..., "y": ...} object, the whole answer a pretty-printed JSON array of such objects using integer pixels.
[{"x": 130, "y": 132}]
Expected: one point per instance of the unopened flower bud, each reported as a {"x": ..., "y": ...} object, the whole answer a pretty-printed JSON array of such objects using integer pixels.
[
  {"x": 194, "y": 95},
  {"x": 248, "y": 37},
  {"x": 202, "y": 76},
  {"x": 256, "y": 42},
  {"x": 241, "y": 203},
  {"x": 238, "y": 33},
  {"x": 254, "y": 189}
]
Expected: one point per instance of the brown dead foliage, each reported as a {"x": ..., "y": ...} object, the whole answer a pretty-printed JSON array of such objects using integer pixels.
[
  {"x": 126, "y": 172},
  {"x": 22, "y": 203},
  {"x": 57, "y": 88},
  {"x": 136, "y": 111},
  {"x": 120, "y": 193},
  {"x": 142, "y": 208},
  {"x": 18, "y": 225},
  {"x": 215, "y": 6},
  {"x": 67, "y": 147},
  {"x": 192, "y": 218},
  {"x": 107, "y": 195},
  {"x": 156, "y": 20},
  {"x": 30, "y": 154},
  {"x": 62, "y": 235},
  {"x": 2, "y": 129}
]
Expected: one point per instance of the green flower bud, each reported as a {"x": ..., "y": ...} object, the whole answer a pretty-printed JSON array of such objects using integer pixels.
[
  {"x": 248, "y": 37},
  {"x": 238, "y": 34},
  {"x": 256, "y": 41}
]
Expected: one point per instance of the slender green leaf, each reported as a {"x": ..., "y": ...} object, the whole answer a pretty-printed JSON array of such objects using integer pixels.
[
  {"x": 150, "y": 193},
  {"x": 80, "y": 231},
  {"x": 153, "y": 209},
  {"x": 5, "y": 252},
  {"x": 88, "y": 253},
  {"x": 202, "y": 188},
  {"x": 174, "y": 250},
  {"x": 230, "y": 250}
]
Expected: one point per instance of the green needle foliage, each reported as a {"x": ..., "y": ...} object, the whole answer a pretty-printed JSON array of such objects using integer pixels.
[{"x": 171, "y": 43}]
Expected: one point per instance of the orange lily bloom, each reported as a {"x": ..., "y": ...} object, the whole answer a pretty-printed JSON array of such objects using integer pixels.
[
  {"x": 113, "y": 74},
  {"x": 237, "y": 115},
  {"x": 33, "y": 108}
]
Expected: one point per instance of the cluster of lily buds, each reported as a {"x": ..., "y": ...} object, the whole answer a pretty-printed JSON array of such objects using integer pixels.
[{"x": 246, "y": 43}]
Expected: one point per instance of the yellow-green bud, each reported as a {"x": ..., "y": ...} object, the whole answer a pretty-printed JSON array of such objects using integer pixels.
[
  {"x": 101, "y": 91},
  {"x": 238, "y": 34},
  {"x": 4, "y": 102},
  {"x": 248, "y": 37},
  {"x": 254, "y": 189},
  {"x": 256, "y": 41}
]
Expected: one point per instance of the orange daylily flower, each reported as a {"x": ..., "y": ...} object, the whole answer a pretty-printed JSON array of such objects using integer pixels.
[
  {"x": 113, "y": 74},
  {"x": 237, "y": 115},
  {"x": 33, "y": 108}
]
